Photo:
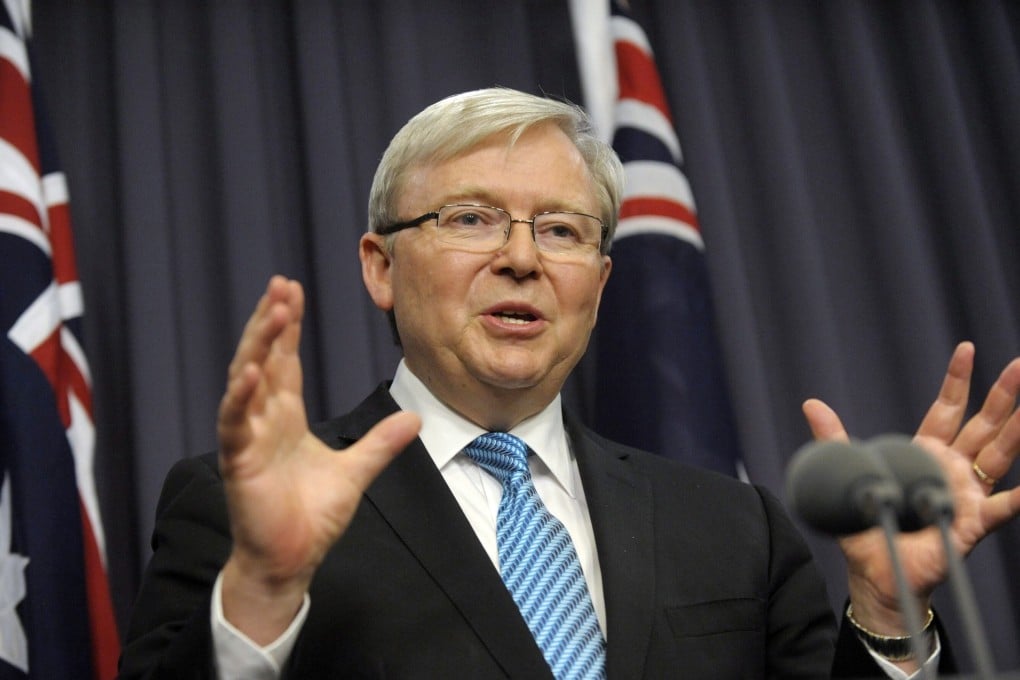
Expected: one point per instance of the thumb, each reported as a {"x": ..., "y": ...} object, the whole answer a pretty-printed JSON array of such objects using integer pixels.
[
  {"x": 824, "y": 423},
  {"x": 371, "y": 454}
]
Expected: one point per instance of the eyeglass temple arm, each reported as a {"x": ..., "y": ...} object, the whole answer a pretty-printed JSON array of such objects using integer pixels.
[{"x": 400, "y": 226}]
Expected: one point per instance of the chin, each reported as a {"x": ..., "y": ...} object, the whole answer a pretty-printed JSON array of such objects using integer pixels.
[
  {"x": 511, "y": 375},
  {"x": 510, "y": 381},
  {"x": 517, "y": 375}
]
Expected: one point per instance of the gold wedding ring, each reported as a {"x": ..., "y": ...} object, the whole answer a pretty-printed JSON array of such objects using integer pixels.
[{"x": 982, "y": 475}]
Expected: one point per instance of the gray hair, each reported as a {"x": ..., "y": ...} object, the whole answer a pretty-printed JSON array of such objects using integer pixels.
[{"x": 459, "y": 123}]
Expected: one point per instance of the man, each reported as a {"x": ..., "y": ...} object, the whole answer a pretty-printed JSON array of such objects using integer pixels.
[{"x": 283, "y": 555}]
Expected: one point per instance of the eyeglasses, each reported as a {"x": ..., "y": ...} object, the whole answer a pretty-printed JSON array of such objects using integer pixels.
[{"x": 483, "y": 228}]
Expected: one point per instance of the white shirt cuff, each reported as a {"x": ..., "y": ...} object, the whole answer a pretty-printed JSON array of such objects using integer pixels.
[
  {"x": 897, "y": 673},
  {"x": 237, "y": 656}
]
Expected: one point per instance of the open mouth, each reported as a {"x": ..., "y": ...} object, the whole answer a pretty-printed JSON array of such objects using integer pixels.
[{"x": 519, "y": 318}]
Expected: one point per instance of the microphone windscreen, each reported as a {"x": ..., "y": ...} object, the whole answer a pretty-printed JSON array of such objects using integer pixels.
[
  {"x": 925, "y": 492},
  {"x": 836, "y": 486}
]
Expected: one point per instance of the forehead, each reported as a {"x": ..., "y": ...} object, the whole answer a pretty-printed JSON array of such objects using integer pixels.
[{"x": 540, "y": 170}]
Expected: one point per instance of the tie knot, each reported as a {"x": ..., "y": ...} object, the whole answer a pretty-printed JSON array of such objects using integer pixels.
[{"x": 501, "y": 454}]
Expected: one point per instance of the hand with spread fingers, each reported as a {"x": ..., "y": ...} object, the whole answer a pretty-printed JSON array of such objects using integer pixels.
[
  {"x": 973, "y": 457},
  {"x": 289, "y": 496}
]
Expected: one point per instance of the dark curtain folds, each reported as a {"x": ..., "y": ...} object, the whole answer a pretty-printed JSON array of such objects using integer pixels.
[{"x": 856, "y": 167}]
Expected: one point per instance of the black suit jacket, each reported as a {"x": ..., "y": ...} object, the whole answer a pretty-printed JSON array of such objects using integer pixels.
[{"x": 704, "y": 577}]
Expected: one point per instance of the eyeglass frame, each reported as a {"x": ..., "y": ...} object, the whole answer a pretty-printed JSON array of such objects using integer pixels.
[{"x": 434, "y": 215}]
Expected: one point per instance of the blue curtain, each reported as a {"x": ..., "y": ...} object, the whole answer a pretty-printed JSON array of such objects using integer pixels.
[{"x": 856, "y": 167}]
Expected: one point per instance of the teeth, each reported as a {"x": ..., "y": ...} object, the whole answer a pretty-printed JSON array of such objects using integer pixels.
[{"x": 512, "y": 318}]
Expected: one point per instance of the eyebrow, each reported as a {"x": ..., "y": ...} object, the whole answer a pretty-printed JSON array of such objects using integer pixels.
[
  {"x": 482, "y": 196},
  {"x": 470, "y": 194}
]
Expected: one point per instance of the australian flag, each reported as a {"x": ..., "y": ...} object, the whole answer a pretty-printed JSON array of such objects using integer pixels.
[
  {"x": 56, "y": 617},
  {"x": 660, "y": 383}
]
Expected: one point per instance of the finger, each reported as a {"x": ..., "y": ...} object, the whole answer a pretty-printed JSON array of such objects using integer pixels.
[
  {"x": 372, "y": 453},
  {"x": 282, "y": 363},
  {"x": 275, "y": 291},
  {"x": 252, "y": 354},
  {"x": 233, "y": 430},
  {"x": 270, "y": 316},
  {"x": 995, "y": 459},
  {"x": 823, "y": 421},
  {"x": 245, "y": 375},
  {"x": 945, "y": 415},
  {"x": 291, "y": 336},
  {"x": 986, "y": 425},
  {"x": 1000, "y": 508}
]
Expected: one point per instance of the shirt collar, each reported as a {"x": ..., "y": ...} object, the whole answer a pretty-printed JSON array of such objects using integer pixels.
[{"x": 445, "y": 432}]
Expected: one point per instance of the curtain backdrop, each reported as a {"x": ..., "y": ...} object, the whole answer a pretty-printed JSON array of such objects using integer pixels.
[{"x": 856, "y": 166}]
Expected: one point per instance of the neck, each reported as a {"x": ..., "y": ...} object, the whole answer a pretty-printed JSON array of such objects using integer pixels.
[
  {"x": 500, "y": 413},
  {"x": 496, "y": 409}
]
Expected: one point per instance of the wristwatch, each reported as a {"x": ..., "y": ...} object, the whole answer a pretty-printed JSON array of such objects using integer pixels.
[{"x": 889, "y": 647}]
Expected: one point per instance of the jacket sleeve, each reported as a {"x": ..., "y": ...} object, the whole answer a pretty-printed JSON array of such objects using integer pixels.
[
  {"x": 853, "y": 660},
  {"x": 801, "y": 625},
  {"x": 169, "y": 633}
]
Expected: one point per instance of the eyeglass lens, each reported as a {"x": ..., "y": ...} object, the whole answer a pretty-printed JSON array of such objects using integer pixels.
[{"x": 487, "y": 228}]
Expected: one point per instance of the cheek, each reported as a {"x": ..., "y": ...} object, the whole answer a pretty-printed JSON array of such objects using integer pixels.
[
  {"x": 433, "y": 287},
  {"x": 581, "y": 296},
  {"x": 578, "y": 307}
]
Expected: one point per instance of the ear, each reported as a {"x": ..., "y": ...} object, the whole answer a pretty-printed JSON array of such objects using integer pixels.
[
  {"x": 607, "y": 267},
  {"x": 376, "y": 269}
]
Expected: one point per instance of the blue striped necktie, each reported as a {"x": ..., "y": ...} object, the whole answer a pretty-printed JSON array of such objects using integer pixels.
[{"x": 539, "y": 565}]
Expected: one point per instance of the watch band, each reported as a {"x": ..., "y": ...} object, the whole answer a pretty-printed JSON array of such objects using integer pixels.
[{"x": 886, "y": 646}]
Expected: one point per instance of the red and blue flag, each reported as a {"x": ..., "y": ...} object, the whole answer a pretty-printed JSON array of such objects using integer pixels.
[
  {"x": 56, "y": 617},
  {"x": 660, "y": 381}
]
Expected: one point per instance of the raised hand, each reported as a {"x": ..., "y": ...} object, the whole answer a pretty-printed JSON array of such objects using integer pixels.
[
  {"x": 290, "y": 497},
  {"x": 989, "y": 440}
]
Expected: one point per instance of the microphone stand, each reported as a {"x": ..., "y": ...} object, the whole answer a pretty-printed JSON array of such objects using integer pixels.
[
  {"x": 967, "y": 604},
  {"x": 912, "y": 615},
  {"x": 928, "y": 502}
]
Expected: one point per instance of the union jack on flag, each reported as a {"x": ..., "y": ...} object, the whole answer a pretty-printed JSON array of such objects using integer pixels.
[
  {"x": 56, "y": 617},
  {"x": 660, "y": 384}
]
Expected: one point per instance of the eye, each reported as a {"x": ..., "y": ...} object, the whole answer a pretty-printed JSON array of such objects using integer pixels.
[
  {"x": 470, "y": 217},
  {"x": 562, "y": 231},
  {"x": 558, "y": 228},
  {"x": 467, "y": 219}
]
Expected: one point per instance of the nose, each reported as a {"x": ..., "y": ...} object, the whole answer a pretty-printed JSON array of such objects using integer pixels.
[{"x": 519, "y": 253}]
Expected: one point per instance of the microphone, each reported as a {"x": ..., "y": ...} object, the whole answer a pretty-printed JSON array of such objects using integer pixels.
[
  {"x": 926, "y": 495},
  {"x": 842, "y": 488},
  {"x": 838, "y": 488},
  {"x": 929, "y": 501}
]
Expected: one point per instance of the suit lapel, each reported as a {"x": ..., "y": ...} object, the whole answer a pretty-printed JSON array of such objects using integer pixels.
[
  {"x": 620, "y": 505},
  {"x": 415, "y": 500}
]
